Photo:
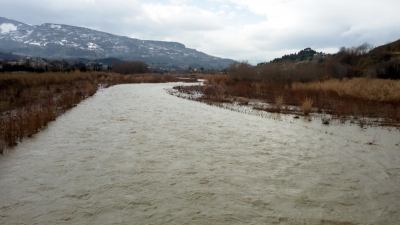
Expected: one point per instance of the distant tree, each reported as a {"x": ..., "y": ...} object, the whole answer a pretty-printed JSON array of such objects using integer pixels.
[
  {"x": 130, "y": 67},
  {"x": 356, "y": 51},
  {"x": 306, "y": 54},
  {"x": 364, "y": 48},
  {"x": 242, "y": 71},
  {"x": 388, "y": 70}
]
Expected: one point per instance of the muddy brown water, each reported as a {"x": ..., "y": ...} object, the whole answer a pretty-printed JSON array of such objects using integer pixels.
[{"x": 133, "y": 154}]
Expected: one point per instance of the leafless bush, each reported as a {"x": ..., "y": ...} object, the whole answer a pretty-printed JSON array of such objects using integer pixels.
[{"x": 242, "y": 71}]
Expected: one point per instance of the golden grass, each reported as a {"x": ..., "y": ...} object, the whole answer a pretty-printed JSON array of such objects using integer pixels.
[
  {"x": 306, "y": 106},
  {"x": 216, "y": 79},
  {"x": 279, "y": 101},
  {"x": 363, "y": 88},
  {"x": 35, "y": 79}
]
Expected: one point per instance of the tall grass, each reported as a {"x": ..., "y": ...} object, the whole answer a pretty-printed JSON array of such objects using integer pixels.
[
  {"x": 279, "y": 101},
  {"x": 363, "y": 88},
  {"x": 306, "y": 106},
  {"x": 357, "y": 97}
]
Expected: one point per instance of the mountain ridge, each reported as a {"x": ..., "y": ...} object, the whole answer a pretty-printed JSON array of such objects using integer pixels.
[{"x": 60, "y": 41}]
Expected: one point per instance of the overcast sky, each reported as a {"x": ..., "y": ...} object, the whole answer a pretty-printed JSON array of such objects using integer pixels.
[{"x": 253, "y": 30}]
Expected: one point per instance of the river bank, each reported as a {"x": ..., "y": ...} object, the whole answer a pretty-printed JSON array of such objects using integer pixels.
[
  {"x": 29, "y": 101},
  {"x": 359, "y": 100}
]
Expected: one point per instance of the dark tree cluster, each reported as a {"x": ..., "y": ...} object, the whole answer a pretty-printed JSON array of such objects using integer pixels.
[
  {"x": 304, "y": 55},
  {"x": 308, "y": 65},
  {"x": 40, "y": 65},
  {"x": 130, "y": 67}
]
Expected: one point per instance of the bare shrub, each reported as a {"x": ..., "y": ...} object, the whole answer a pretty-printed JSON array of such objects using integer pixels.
[
  {"x": 216, "y": 79},
  {"x": 289, "y": 72},
  {"x": 242, "y": 71},
  {"x": 215, "y": 92}
]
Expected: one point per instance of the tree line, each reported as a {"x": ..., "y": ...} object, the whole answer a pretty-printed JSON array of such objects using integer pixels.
[
  {"x": 308, "y": 65},
  {"x": 41, "y": 66}
]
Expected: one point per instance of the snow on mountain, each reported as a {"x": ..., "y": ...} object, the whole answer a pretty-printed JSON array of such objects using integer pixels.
[
  {"x": 7, "y": 28},
  {"x": 63, "y": 41}
]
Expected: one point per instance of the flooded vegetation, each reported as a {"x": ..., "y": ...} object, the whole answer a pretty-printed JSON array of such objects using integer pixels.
[
  {"x": 360, "y": 83},
  {"x": 357, "y": 99},
  {"x": 136, "y": 153},
  {"x": 29, "y": 101}
]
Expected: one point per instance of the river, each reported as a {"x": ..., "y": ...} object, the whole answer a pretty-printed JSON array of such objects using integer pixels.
[{"x": 133, "y": 154}]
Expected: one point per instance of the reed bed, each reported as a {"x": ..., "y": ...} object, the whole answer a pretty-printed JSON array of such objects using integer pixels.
[
  {"x": 346, "y": 98},
  {"x": 363, "y": 88}
]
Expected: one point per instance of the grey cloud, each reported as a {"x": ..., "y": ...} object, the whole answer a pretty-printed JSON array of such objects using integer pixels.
[{"x": 281, "y": 26}]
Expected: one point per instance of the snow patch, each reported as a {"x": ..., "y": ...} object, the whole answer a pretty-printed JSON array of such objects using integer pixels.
[
  {"x": 92, "y": 46},
  {"x": 7, "y": 28},
  {"x": 35, "y": 43},
  {"x": 55, "y": 26}
]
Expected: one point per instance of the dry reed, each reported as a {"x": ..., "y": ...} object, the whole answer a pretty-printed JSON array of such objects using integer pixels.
[
  {"x": 306, "y": 106},
  {"x": 279, "y": 101},
  {"x": 363, "y": 88},
  {"x": 357, "y": 97}
]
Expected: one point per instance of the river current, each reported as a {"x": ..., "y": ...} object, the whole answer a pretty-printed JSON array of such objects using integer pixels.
[{"x": 133, "y": 154}]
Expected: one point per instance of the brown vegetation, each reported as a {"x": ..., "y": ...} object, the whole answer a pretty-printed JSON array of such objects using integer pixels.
[
  {"x": 356, "y": 97},
  {"x": 279, "y": 103},
  {"x": 355, "y": 82},
  {"x": 363, "y": 88},
  {"x": 306, "y": 106}
]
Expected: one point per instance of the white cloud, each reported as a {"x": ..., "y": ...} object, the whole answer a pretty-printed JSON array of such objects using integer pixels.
[
  {"x": 7, "y": 28},
  {"x": 180, "y": 17},
  {"x": 256, "y": 30}
]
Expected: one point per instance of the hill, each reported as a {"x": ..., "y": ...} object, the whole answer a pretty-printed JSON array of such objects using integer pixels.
[
  {"x": 306, "y": 54},
  {"x": 59, "y": 41}
]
